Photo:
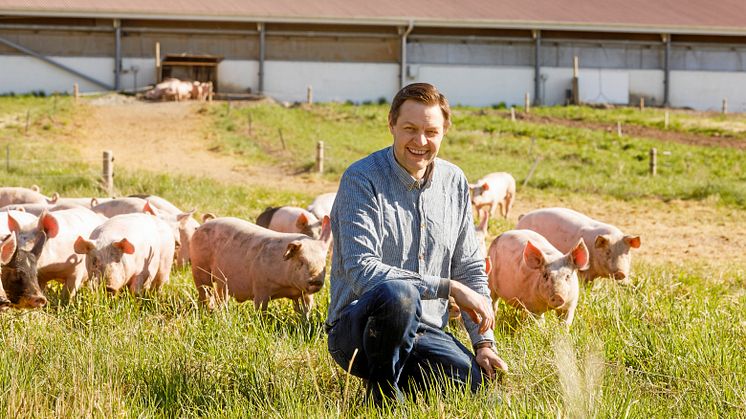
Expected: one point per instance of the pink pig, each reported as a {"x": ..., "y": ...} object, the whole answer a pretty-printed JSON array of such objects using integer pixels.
[
  {"x": 529, "y": 272},
  {"x": 290, "y": 220},
  {"x": 250, "y": 262},
  {"x": 492, "y": 191},
  {"x": 609, "y": 247},
  {"x": 132, "y": 250}
]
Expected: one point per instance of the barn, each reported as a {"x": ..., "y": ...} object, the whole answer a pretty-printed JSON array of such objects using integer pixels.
[{"x": 688, "y": 53}]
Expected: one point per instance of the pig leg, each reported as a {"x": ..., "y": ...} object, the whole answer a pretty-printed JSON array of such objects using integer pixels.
[
  {"x": 303, "y": 305},
  {"x": 568, "y": 315},
  {"x": 508, "y": 204},
  {"x": 74, "y": 282},
  {"x": 203, "y": 282},
  {"x": 261, "y": 302}
]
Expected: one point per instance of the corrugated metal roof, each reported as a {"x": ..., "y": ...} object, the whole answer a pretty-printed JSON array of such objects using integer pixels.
[{"x": 674, "y": 16}]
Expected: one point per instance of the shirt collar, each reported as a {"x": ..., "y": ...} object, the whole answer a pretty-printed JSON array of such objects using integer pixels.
[{"x": 408, "y": 180}]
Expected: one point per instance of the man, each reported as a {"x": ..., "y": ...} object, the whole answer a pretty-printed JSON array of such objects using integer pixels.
[{"x": 403, "y": 243}]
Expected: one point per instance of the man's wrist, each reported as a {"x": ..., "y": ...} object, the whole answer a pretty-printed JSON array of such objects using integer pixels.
[{"x": 485, "y": 344}]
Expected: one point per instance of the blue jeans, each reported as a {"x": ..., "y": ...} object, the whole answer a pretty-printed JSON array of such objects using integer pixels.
[{"x": 395, "y": 352}]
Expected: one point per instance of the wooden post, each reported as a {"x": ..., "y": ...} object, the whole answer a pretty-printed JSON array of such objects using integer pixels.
[
  {"x": 320, "y": 157},
  {"x": 642, "y": 103},
  {"x": 76, "y": 92},
  {"x": 28, "y": 117},
  {"x": 619, "y": 128},
  {"x": 108, "y": 172},
  {"x": 531, "y": 172},
  {"x": 282, "y": 140},
  {"x": 309, "y": 95},
  {"x": 7, "y": 157},
  {"x": 653, "y": 161},
  {"x": 512, "y": 114},
  {"x": 666, "y": 120},
  {"x": 527, "y": 104},
  {"x": 158, "y": 73},
  {"x": 725, "y": 105},
  {"x": 575, "y": 81}
]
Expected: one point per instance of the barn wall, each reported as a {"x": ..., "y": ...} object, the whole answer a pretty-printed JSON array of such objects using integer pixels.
[
  {"x": 703, "y": 90},
  {"x": 22, "y": 74}
]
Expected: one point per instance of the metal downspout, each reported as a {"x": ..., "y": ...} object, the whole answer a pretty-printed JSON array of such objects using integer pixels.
[
  {"x": 537, "y": 67},
  {"x": 666, "y": 70},
  {"x": 262, "y": 45},
  {"x": 117, "y": 54},
  {"x": 403, "y": 67}
]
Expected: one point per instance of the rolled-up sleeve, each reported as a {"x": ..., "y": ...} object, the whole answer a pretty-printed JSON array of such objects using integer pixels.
[{"x": 357, "y": 225}]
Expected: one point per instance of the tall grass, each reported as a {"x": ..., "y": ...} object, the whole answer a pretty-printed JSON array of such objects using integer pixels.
[{"x": 669, "y": 344}]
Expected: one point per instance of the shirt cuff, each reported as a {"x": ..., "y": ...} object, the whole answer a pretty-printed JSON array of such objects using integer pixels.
[{"x": 476, "y": 337}]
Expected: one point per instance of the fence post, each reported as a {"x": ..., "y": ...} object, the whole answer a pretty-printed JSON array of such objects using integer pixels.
[
  {"x": 108, "y": 172},
  {"x": 619, "y": 128},
  {"x": 653, "y": 161},
  {"x": 309, "y": 95},
  {"x": 575, "y": 81},
  {"x": 642, "y": 103},
  {"x": 725, "y": 105},
  {"x": 512, "y": 114},
  {"x": 76, "y": 92},
  {"x": 666, "y": 120},
  {"x": 527, "y": 104},
  {"x": 320, "y": 157},
  {"x": 7, "y": 158}
]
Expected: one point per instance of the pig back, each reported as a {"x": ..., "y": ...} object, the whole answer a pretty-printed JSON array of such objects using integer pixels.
[{"x": 562, "y": 227}]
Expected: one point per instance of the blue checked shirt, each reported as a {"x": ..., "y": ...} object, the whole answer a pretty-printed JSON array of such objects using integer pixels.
[{"x": 389, "y": 226}]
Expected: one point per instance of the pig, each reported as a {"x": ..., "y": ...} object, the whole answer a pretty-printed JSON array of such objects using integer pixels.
[
  {"x": 5, "y": 236},
  {"x": 529, "y": 272},
  {"x": 183, "y": 224},
  {"x": 83, "y": 202},
  {"x": 14, "y": 195},
  {"x": 21, "y": 290},
  {"x": 58, "y": 260},
  {"x": 290, "y": 220},
  {"x": 167, "y": 89},
  {"x": 123, "y": 206},
  {"x": 37, "y": 209},
  {"x": 609, "y": 247},
  {"x": 494, "y": 190},
  {"x": 250, "y": 262},
  {"x": 130, "y": 250},
  {"x": 322, "y": 205}
]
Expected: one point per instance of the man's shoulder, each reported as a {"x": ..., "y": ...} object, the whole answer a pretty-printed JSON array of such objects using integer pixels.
[
  {"x": 449, "y": 171},
  {"x": 369, "y": 165}
]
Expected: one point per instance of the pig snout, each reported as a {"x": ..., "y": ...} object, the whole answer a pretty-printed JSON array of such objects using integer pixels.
[
  {"x": 32, "y": 301},
  {"x": 619, "y": 275},
  {"x": 556, "y": 301}
]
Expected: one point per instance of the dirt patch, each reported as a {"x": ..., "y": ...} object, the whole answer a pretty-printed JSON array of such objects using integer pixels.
[
  {"x": 671, "y": 232},
  {"x": 642, "y": 132},
  {"x": 172, "y": 137}
]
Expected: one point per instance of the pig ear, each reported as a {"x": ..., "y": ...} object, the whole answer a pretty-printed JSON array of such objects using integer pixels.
[
  {"x": 184, "y": 217},
  {"x": 35, "y": 188},
  {"x": 601, "y": 241},
  {"x": 293, "y": 249},
  {"x": 302, "y": 221},
  {"x": 48, "y": 224},
  {"x": 326, "y": 230},
  {"x": 485, "y": 186},
  {"x": 8, "y": 248},
  {"x": 632, "y": 241},
  {"x": 83, "y": 246},
  {"x": 125, "y": 246},
  {"x": 487, "y": 265},
  {"x": 208, "y": 216},
  {"x": 13, "y": 224},
  {"x": 532, "y": 256},
  {"x": 579, "y": 255},
  {"x": 149, "y": 209}
]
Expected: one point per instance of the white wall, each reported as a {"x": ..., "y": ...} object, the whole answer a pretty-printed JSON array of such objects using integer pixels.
[
  {"x": 476, "y": 85},
  {"x": 23, "y": 74},
  {"x": 338, "y": 82},
  {"x": 237, "y": 76},
  {"x": 647, "y": 83},
  {"x": 705, "y": 90}
]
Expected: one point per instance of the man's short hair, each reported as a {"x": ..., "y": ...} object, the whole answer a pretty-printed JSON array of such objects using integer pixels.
[{"x": 424, "y": 93}]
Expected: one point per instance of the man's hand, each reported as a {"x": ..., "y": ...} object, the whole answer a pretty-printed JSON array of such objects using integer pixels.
[
  {"x": 478, "y": 307},
  {"x": 490, "y": 362}
]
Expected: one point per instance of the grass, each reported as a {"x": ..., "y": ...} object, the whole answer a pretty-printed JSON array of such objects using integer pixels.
[{"x": 670, "y": 344}]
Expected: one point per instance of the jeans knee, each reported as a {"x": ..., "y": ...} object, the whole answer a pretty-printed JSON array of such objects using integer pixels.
[{"x": 402, "y": 296}]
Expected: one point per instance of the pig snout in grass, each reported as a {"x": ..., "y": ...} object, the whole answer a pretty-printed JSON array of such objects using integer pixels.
[{"x": 528, "y": 272}]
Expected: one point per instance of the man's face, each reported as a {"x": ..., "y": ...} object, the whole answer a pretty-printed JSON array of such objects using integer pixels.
[{"x": 417, "y": 135}]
